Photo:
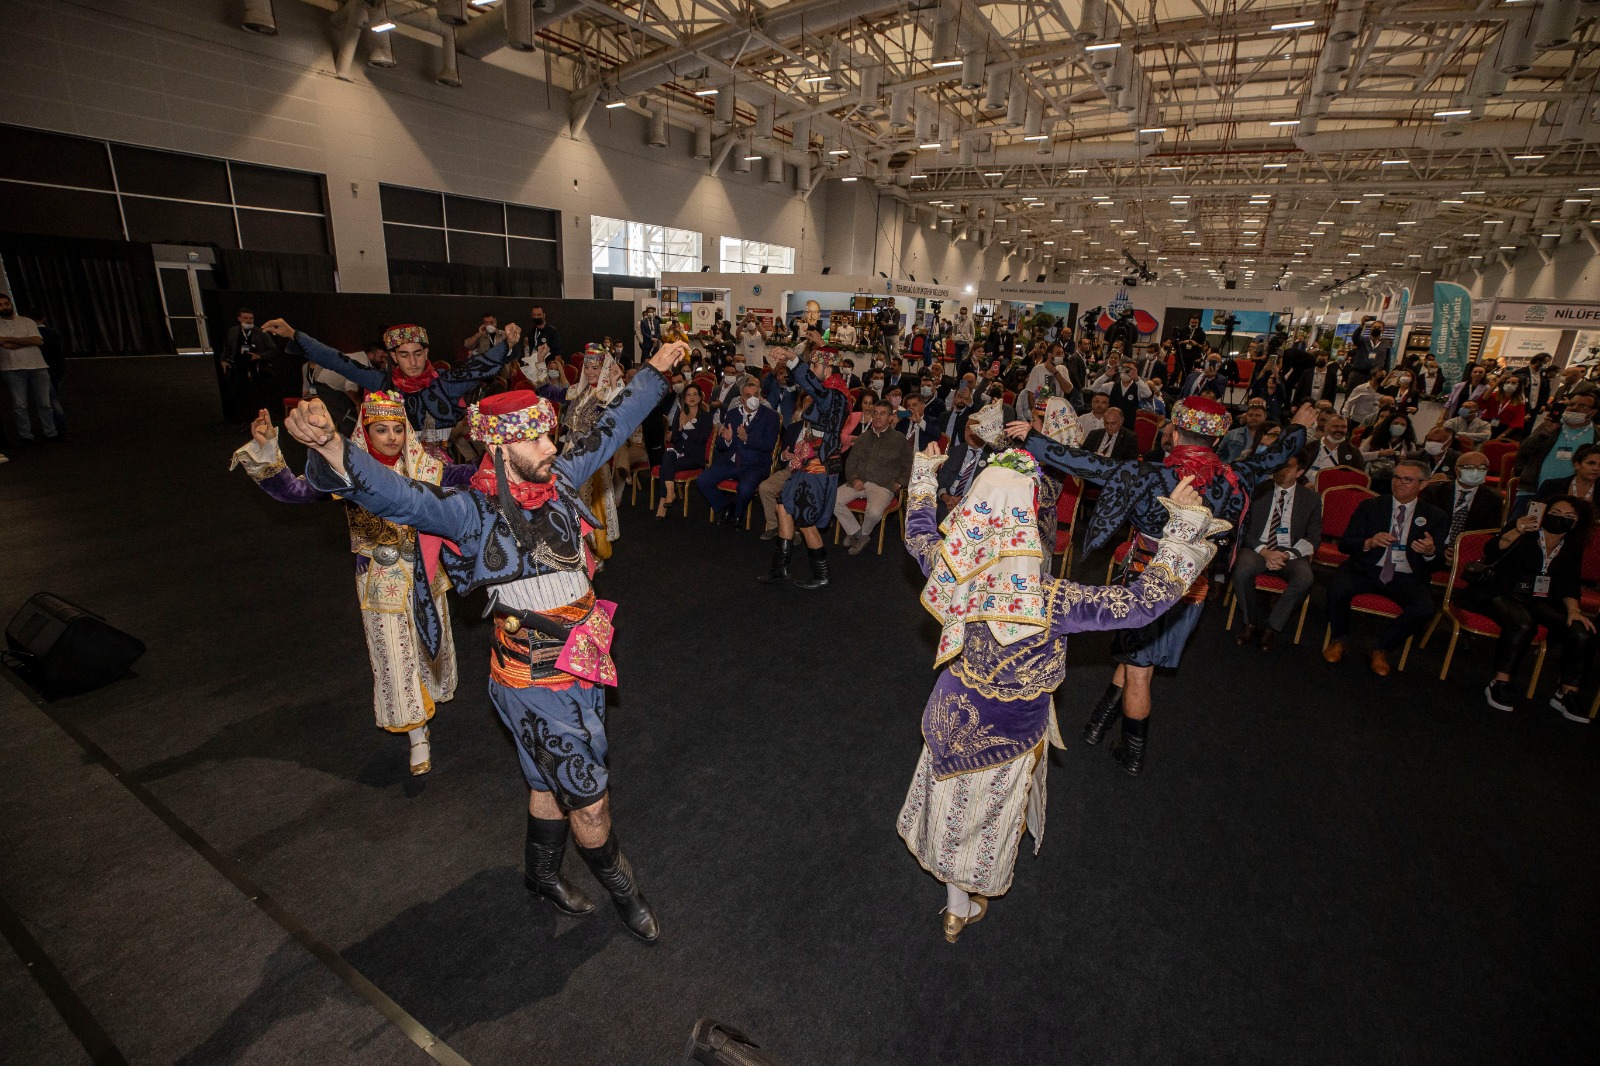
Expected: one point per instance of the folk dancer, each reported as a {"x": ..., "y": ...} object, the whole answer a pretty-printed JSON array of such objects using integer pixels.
[
  {"x": 1003, "y": 646},
  {"x": 1129, "y": 489},
  {"x": 432, "y": 398},
  {"x": 399, "y": 583},
  {"x": 518, "y": 529}
]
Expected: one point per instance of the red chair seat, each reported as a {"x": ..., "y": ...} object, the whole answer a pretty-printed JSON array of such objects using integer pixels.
[
  {"x": 1271, "y": 583},
  {"x": 1327, "y": 553},
  {"x": 1063, "y": 539},
  {"x": 1373, "y": 603},
  {"x": 728, "y": 485},
  {"x": 1441, "y": 577},
  {"x": 681, "y": 475},
  {"x": 859, "y": 506},
  {"x": 1589, "y": 601}
]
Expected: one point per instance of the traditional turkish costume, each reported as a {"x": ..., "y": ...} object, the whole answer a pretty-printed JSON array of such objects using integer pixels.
[
  {"x": 551, "y": 659},
  {"x": 399, "y": 582},
  {"x": 1004, "y": 624}
]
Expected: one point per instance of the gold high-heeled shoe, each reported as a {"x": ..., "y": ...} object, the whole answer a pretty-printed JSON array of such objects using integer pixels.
[
  {"x": 420, "y": 768},
  {"x": 953, "y": 924}
]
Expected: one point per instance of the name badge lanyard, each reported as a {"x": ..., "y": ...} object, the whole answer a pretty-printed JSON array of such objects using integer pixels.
[{"x": 1541, "y": 584}]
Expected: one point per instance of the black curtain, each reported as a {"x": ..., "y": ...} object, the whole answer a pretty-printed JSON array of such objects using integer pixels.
[
  {"x": 465, "y": 279},
  {"x": 274, "y": 271},
  {"x": 606, "y": 285},
  {"x": 102, "y": 296}
]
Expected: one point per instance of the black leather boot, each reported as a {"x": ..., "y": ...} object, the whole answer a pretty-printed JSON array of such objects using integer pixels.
[
  {"x": 781, "y": 551},
  {"x": 1128, "y": 749},
  {"x": 546, "y": 846},
  {"x": 612, "y": 869},
  {"x": 1100, "y": 718},
  {"x": 819, "y": 570}
]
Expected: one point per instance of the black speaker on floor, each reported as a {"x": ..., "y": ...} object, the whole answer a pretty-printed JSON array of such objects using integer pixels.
[
  {"x": 63, "y": 649},
  {"x": 715, "y": 1044}
]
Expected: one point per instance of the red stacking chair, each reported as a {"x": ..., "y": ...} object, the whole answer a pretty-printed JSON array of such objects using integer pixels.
[
  {"x": 1277, "y": 586},
  {"x": 1338, "y": 506},
  {"x": 1374, "y": 603},
  {"x": 859, "y": 507},
  {"x": 1469, "y": 549},
  {"x": 1340, "y": 476},
  {"x": 1497, "y": 451},
  {"x": 1247, "y": 371},
  {"x": 1118, "y": 555},
  {"x": 681, "y": 478},
  {"x": 1589, "y": 599},
  {"x": 1067, "y": 506},
  {"x": 571, "y": 373},
  {"x": 1146, "y": 425}
]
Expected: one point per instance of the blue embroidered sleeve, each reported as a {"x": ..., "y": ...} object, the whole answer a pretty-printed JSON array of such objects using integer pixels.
[
  {"x": 614, "y": 426},
  {"x": 461, "y": 380},
  {"x": 1074, "y": 461},
  {"x": 371, "y": 485},
  {"x": 1255, "y": 467},
  {"x": 369, "y": 378}
]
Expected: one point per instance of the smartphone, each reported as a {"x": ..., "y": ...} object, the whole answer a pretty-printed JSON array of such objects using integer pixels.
[{"x": 1536, "y": 511}]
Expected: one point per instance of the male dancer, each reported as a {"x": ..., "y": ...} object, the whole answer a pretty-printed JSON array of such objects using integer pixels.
[
  {"x": 1129, "y": 492},
  {"x": 430, "y": 397},
  {"x": 519, "y": 529},
  {"x": 808, "y": 495}
]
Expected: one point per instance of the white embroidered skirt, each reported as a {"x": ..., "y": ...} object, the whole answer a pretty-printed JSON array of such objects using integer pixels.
[
  {"x": 405, "y": 682},
  {"x": 965, "y": 829}
]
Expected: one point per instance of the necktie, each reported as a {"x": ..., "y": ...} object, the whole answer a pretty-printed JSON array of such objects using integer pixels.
[
  {"x": 965, "y": 477},
  {"x": 1458, "y": 517},
  {"x": 1276, "y": 519},
  {"x": 1386, "y": 572}
]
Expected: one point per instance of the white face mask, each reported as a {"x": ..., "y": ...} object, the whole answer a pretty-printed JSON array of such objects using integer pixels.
[
  {"x": 1575, "y": 418},
  {"x": 1396, "y": 430},
  {"x": 926, "y": 390},
  {"x": 1434, "y": 447},
  {"x": 1472, "y": 478},
  {"x": 751, "y": 403},
  {"x": 730, "y": 378}
]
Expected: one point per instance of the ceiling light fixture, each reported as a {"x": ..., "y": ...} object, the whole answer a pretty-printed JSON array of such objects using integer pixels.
[
  {"x": 613, "y": 105},
  {"x": 847, "y": 179},
  {"x": 1285, "y": 122},
  {"x": 930, "y": 144},
  {"x": 1394, "y": 162},
  {"x": 1529, "y": 155},
  {"x": 1103, "y": 47},
  {"x": 1304, "y": 25},
  {"x": 945, "y": 64},
  {"x": 1038, "y": 137},
  {"x": 1154, "y": 129},
  {"x": 707, "y": 92},
  {"x": 839, "y": 151},
  {"x": 1456, "y": 112},
  {"x": 1274, "y": 166}
]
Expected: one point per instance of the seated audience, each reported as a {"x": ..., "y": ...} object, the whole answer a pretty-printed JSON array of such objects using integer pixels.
[
  {"x": 688, "y": 430},
  {"x": 1245, "y": 438},
  {"x": 1362, "y": 403},
  {"x": 1385, "y": 444},
  {"x": 1393, "y": 552},
  {"x": 1282, "y": 530},
  {"x": 1536, "y": 564},
  {"x": 917, "y": 427},
  {"x": 1504, "y": 409},
  {"x": 743, "y": 452},
  {"x": 1440, "y": 454},
  {"x": 1469, "y": 502},
  {"x": 876, "y": 468},
  {"x": 1467, "y": 424},
  {"x": 1548, "y": 451},
  {"x": 1585, "y": 472},
  {"x": 1113, "y": 440},
  {"x": 1334, "y": 449},
  {"x": 1094, "y": 417}
]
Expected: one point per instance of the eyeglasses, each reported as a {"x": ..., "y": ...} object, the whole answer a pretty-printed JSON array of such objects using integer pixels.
[{"x": 1402, "y": 479}]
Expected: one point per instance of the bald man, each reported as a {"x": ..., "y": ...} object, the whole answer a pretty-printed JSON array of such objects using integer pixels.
[{"x": 1469, "y": 502}]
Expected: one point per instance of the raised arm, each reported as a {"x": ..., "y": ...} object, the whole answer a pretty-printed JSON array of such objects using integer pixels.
[
  {"x": 369, "y": 378},
  {"x": 1180, "y": 557},
  {"x": 618, "y": 421},
  {"x": 263, "y": 461},
  {"x": 461, "y": 380},
  {"x": 1065, "y": 458}
]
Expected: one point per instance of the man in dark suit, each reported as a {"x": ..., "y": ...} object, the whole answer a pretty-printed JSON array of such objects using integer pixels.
[
  {"x": 1319, "y": 381},
  {"x": 1395, "y": 542},
  {"x": 1115, "y": 441},
  {"x": 1466, "y": 499},
  {"x": 1440, "y": 454},
  {"x": 960, "y": 469},
  {"x": 1332, "y": 448},
  {"x": 1281, "y": 532},
  {"x": 1192, "y": 345}
]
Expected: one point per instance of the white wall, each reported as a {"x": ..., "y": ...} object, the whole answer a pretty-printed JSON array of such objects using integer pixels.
[{"x": 181, "y": 75}]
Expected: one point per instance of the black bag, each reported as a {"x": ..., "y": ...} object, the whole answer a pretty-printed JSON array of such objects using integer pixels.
[
  {"x": 715, "y": 1044},
  {"x": 1480, "y": 588}
]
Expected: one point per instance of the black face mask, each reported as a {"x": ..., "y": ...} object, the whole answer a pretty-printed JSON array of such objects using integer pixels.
[
  {"x": 536, "y": 321},
  {"x": 1558, "y": 523}
]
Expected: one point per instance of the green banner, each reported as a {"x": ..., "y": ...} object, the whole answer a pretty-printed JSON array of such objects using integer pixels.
[{"x": 1452, "y": 329}]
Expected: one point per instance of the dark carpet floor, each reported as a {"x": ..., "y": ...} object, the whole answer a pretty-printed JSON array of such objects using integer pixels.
[{"x": 1318, "y": 866}]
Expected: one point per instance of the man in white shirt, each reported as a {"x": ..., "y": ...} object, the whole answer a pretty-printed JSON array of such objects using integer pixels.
[
  {"x": 27, "y": 376},
  {"x": 1282, "y": 530},
  {"x": 1468, "y": 424},
  {"x": 1469, "y": 502},
  {"x": 962, "y": 332},
  {"x": 1095, "y": 417}
]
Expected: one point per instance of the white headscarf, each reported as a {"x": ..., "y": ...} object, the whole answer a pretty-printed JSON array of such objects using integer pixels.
[{"x": 988, "y": 569}]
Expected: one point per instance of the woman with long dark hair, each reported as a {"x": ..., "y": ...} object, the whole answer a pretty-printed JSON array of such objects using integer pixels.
[
  {"x": 688, "y": 429},
  {"x": 1537, "y": 563}
]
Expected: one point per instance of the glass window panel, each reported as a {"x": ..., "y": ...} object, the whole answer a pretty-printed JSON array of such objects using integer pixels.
[
  {"x": 485, "y": 216},
  {"x": 274, "y": 231},
  {"x": 748, "y": 257},
  {"x": 54, "y": 158},
  {"x": 533, "y": 255},
  {"x": 171, "y": 222},
  {"x": 479, "y": 249},
  {"x": 641, "y": 249},
  {"x": 411, "y": 205},
  {"x": 175, "y": 290},
  {"x": 185, "y": 332},
  {"x": 168, "y": 174},
  {"x": 410, "y": 242},
  {"x": 287, "y": 190},
  {"x": 59, "y": 212},
  {"x": 531, "y": 222}
]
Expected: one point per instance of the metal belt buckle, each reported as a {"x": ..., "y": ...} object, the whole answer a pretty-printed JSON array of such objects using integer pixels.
[
  {"x": 385, "y": 554},
  {"x": 510, "y": 623}
]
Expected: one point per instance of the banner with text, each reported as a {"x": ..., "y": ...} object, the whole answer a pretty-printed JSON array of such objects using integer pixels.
[{"x": 1452, "y": 329}]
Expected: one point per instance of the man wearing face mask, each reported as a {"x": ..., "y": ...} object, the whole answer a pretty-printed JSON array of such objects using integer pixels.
[
  {"x": 1124, "y": 389},
  {"x": 725, "y": 393},
  {"x": 1470, "y": 503},
  {"x": 1547, "y": 452},
  {"x": 1467, "y": 424},
  {"x": 962, "y": 331},
  {"x": 1317, "y": 382},
  {"x": 743, "y": 452},
  {"x": 953, "y": 425},
  {"x": 541, "y": 334},
  {"x": 1333, "y": 449},
  {"x": 1369, "y": 353},
  {"x": 933, "y": 407},
  {"x": 1439, "y": 454}
]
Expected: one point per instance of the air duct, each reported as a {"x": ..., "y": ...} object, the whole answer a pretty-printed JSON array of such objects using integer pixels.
[
  {"x": 1516, "y": 53},
  {"x": 449, "y": 66},
  {"x": 1017, "y": 102},
  {"x": 1346, "y": 23},
  {"x": 924, "y": 120},
  {"x": 972, "y": 62},
  {"x": 1121, "y": 74},
  {"x": 382, "y": 54},
  {"x": 1091, "y": 22},
  {"x": 1555, "y": 24},
  {"x": 726, "y": 105},
  {"x": 947, "y": 136},
  {"x": 658, "y": 128},
  {"x": 741, "y": 154},
  {"x": 900, "y": 107},
  {"x": 519, "y": 24},
  {"x": 968, "y": 154},
  {"x": 800, "y": 136},
  {"x": 766, "y": 116},
  {"x": 702, "y": 142},
  {"x": 258, "y": 18},
  {"x": 994, "y": 97},
  {"x": 451, "y": 12},
  {"x": 869, "y": 104},
  {"x": 774, "y": 166}
]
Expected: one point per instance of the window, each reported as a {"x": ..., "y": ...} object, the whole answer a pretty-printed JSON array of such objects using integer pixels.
[
  {"x": 640, "y": 249},
  {"x": 748, "y": 257},
  {"x": 436, "y": 227},
  {"x": 65, "y": 186}
]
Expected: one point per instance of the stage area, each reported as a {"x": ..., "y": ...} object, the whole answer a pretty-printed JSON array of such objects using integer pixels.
[{"x": 1318, "y": 866}]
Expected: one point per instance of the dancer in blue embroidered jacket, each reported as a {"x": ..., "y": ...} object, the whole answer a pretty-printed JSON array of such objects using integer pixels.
[
  {"x": 1129, "y": 491},
  {"x": 1004, "y": 624},
  {"x": 432, "y": 398},
  {"x": 519, "y": 529},
  {"x": 807, "y": 499}
]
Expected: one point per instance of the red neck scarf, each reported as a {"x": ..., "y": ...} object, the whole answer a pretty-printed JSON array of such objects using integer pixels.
[
  {"x": 1201, "y": 463},
  {"x": 528, "y": 494},
  {"x": 390, "y": 461},
  {"x": 413, "y": 384}
]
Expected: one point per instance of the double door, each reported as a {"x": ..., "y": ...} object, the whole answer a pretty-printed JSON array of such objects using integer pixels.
[{"x": 181, "y": 286}]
